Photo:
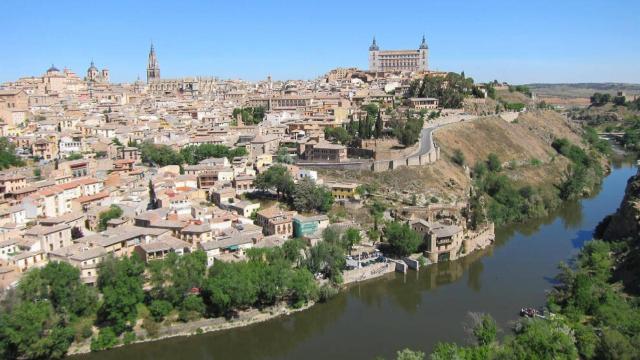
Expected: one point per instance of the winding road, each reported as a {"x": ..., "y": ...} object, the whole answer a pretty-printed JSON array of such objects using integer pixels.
[{"x": 425, "y": 143}]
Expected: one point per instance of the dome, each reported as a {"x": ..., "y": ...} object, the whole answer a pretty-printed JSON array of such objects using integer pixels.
[
  {"x": 92, "y": 67},
  {"x": 53, "y": 69}
]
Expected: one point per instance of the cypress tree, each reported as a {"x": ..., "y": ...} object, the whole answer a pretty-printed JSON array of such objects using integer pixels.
[{"x": 379, "y": 126}]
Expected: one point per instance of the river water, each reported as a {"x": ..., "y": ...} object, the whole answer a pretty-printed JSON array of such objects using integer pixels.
[{"x": 418, "y": 309}]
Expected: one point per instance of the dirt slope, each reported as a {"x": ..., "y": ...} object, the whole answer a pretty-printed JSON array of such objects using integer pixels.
[{"x": 516, "y": 143}]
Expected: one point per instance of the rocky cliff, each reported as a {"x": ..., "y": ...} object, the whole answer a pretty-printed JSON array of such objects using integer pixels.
[{"x": 625, "y": 223}]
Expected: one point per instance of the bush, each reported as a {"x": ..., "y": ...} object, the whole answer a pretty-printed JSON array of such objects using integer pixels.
[
  {"x": 458, "y": 157},
  {"x": 493, "y": 163},
  {"x": 106, "y": 339},
  {"x": 192, "y": 308},
  {"x": 159, "y": 309},
  {"x": 129, "y": 337},
  {"x": 326, "y": 292},
  {"x": 152, "y": 327},
  {"x": 86, "y": 331}
]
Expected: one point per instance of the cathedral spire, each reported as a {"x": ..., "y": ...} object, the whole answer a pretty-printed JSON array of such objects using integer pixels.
[
  {"x": 374, "y": 46},
  {"x": 153, "y": 69},
  {"x": 424, "y": 45}
]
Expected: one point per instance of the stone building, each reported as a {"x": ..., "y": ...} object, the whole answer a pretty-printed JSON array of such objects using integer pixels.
[
  {"x": 398, "y": 60},
  {"x": 153, "y": 68},
  {"x": 97, "y": 76}
]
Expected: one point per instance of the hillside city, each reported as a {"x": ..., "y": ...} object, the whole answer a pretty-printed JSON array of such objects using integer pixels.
[
  {"x": 173, "y": 206},
  {"x": 179, "y": 165}
]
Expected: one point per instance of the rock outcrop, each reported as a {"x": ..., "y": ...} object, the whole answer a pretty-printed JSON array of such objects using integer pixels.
[{"x": 625, "y": 222}]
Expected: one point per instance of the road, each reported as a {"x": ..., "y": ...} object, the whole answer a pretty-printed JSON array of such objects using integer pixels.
[{"x": 425, "y": 143}]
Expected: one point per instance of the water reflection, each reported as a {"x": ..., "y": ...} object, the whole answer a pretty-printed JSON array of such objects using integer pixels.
[
  {"x": 581, "y": 237},
  {"x": 571, "y": 213}
]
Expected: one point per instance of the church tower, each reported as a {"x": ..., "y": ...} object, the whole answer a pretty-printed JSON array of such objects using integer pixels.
[
  {"x": 153, "y": 69},
  {"x": 423, "y": 62},
  {"x": 373, "y": 56}
]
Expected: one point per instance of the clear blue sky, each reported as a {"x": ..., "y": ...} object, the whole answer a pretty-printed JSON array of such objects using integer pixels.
[{"x": 512, "y": 40}]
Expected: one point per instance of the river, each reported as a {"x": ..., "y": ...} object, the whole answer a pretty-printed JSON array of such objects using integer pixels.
[{"x": 415, "y": 310}]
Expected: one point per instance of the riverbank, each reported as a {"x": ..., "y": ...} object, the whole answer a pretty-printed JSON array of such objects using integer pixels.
[
  {"x": 423, "y": 307},
  {"x": 202, "y": 326}
]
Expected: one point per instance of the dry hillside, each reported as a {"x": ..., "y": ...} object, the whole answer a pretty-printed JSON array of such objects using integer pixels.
[{"x": 522, "y": 141}]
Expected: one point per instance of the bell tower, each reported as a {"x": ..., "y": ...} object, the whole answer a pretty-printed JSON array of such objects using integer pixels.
[
  {"x": 373, "y": 56},
  {"x": 153, "y": 69}
]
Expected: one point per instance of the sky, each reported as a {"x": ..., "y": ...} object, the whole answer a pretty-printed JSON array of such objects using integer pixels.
[{"x": 511, "y": 40}]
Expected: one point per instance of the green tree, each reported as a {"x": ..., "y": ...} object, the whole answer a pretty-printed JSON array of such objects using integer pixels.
[
  {"x": 105, "y": 340},
  {"x": 351, "y": 237},
  {"x": 58, "y": 283},
  {"x": 276, "y": 178},
  {"x": 120, "y": 281},
  {"x": 8, "y": 156},
  {"x": 615, "y": 346},
  {"x": 283, "y": 157},
  {"x": 114, "y": 212},
  {"x": 303, "y": 287},
  {"x": 493, "y": 162},
  {"x": 379, "y": 127},
  {"x": 307, "y": 196},
  {"x": 338, "y": 134},
  {"x": 327, "y": 259},
  {"x": 230, "y": 286},
  {"x": 159, "y": 309},
  {"x": 153, "y": 199},
  {"x": 402, "y": 239},
  {"x": 160, "y": 155},
  {"x": 485, "y": 330},
  {"x": 293, "y": 250},
  {"x": 540, "y": 339},
  {"x": 32, "y": 331},
  {"x": 192, "y": 308}
]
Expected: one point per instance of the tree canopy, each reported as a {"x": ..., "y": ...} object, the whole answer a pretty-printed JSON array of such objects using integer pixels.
[
  {"x": 402, "y": 239},
  {"x": 114, "y": 212}
]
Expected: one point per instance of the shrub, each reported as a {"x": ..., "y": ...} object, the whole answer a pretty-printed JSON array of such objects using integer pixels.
[
  {"x": 493, "y": 163},
  {"x": 458, "y": 157},
  {"x": 152, "y": 327},
  {"x": 86, "y": 331},
  {"x": 159, "y": 309},
  {"x": 129, "y": 337},
  {"x": 106, "y": 339},
  {"x": 326, "y": 292},
  {"x": 192, "y": 308}
]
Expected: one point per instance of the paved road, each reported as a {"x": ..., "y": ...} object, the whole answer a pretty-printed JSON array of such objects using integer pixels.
[
  {"x": 426, "y": 134},
  {"x": 424, "y": 147}
]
